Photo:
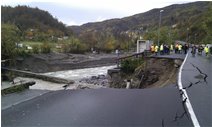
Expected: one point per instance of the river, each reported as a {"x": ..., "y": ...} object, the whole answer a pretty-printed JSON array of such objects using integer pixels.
[
  {"x": 78, "y": 74},
  {"x": 41, "y": 87}
]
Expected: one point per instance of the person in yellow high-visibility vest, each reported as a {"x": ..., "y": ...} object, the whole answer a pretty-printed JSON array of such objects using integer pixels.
[
  {"x": 161, "y": 49},
  {"x": 206, "y": 50},
  {"x": 156, "y": 50},
  {"x": 180, "y": 48},
  {"x": 171, "y": 48}
]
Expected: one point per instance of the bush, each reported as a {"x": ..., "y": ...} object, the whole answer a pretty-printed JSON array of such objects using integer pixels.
[
  {"x": 35, "y": 49},
  {"x": 9, "y": 37},
  {"x": 45, "y": 48},
  {"x": 22, "y": 52},
  {"x": 129, "y": 65},
  {"x": 74, "y": 46}
]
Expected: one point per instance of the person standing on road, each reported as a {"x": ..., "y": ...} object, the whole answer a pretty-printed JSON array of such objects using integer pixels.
[
  {"x": 176, "y": 48},
  {"x": 206, "y": 50},
  {"x": 185, "y": 48},
  {"x": 200, "y": 49},
  {"x": 171, "y": 48},
  {"x": 161, "y": 49},
  {"x": 117, "y": 53},
  {"x": 193, "y": 50},
  {"x": 156, "y": 50},
  {"x": 180, "y": 48},
  {"x": 152, "y": 48}
]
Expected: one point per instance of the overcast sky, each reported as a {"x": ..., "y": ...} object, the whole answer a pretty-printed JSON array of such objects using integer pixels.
[{"x": 78, "y": 12}]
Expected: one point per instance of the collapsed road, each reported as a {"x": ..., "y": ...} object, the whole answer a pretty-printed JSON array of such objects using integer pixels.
[
  {"x": 196, "y": 81},
  {"x": 166, "y": 106}
]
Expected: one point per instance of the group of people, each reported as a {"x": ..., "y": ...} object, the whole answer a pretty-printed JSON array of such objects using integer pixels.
[
  {"x": 178, "y": 48},
  {"x": 165, "y": 49},
  {"x": 200, "y": 48}
]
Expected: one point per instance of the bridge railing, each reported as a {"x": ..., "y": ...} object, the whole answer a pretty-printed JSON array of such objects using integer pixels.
[{"x": 133, "y": 56}]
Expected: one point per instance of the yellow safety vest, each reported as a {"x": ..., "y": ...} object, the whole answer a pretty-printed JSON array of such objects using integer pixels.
[
  {"x": 156, "y": 48},
  {"x": 180, "y": 47},
  {"x": 172, "y": 47},
  {"x": 206, "y": 50},
  {"x": 161, "y": 48}
]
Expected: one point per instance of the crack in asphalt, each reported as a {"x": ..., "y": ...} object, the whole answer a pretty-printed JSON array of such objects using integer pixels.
[
  {"x": 180, "y": 116},
  {"x": 190, "y": 85},
  {"x": 205, "y": 75},
  {"x": 184, "y": 107},
  {"x": 162, "y": 123},
  {"x": 197, "y": 82},
  {"x": 184, "y": 100}
]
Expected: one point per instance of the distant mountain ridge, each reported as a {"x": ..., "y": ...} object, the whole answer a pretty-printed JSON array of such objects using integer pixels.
[
  {"x": 26, "y": 18},
  {"x": 150, "y": 17},
  {"x": 189, "y": 15},
  {"x": 190, "y": 21}
]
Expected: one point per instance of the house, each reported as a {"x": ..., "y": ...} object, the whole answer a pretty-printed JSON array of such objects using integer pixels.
[{"x": 143, "y": 45}]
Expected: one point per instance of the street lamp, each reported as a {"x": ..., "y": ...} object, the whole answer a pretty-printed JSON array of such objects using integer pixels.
[
  {"x": 159, "y": 25},
  {"x": 187, "y": 35}
]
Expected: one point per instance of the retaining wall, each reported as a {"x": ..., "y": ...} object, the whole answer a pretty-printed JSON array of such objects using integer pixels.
[{"x": 38, "y": 76}]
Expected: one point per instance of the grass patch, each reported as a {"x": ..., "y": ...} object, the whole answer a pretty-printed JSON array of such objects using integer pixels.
[{"x": 129, "y": 65}]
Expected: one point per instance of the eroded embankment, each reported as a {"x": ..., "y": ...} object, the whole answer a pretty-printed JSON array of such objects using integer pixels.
[
  {"x": 154, "y": 72},
  {"x": 42, "y": 63}
]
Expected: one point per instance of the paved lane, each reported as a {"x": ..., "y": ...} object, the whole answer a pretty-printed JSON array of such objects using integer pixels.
[
  {"x": 171, "y": 56},
  {"x": 197, "y": 80},
  {"x": 101, "y": 107}
]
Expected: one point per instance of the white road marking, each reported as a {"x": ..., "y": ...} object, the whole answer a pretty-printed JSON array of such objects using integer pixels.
[{"x": 185, "y": 95}]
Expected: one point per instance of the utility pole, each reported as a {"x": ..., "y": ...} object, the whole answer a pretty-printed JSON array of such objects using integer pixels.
[
  {"x": 195, "y": 36},
  {"x": 187, "y": 35},
  {"x": 159, "y": 25}
]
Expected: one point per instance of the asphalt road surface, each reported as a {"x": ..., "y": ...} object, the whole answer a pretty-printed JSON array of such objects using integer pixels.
[
  {"x": 197, "y": 81},
  {"x": 101, "y": 107},
  {"x": 171, "y": 56},
  {"x": 122, "y": 107}
]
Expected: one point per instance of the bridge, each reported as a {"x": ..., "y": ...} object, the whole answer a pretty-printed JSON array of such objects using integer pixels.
[{"x": 187, "y": 103}]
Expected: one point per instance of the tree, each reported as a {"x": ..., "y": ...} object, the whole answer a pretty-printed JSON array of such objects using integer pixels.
[
  {"x": 45, "y": 47},
  {"x": 35, "y": 49},
  {"x": 10, "y": 36},
  {"x": 73, "y": 45}
]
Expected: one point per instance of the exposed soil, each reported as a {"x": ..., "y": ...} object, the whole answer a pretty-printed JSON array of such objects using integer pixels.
[
  {"x": 154, "y": 73},
  {"x": 41, "y": 63},
  {"x": 165, "y": 71}
]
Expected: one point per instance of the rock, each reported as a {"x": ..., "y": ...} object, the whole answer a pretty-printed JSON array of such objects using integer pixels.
[
  {"x": 152, "y": 79},
  {"x": 65, "y": 86},
  {"x": 26, "y": 69},
  {"x": 93, "y": 77},
  {"x": 101, "y": 76},
  {"x": 82, "y": 87},
  {"x": 152, "y": 72},
  {"x": 17, "y": 88},
  {"x": 177, "y": 63}
]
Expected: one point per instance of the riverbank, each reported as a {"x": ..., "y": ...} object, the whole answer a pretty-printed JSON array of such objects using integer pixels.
[{"x": 42, "y": 63}]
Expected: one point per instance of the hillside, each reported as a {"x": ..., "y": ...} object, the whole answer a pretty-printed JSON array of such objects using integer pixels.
[
  {"x": 191, "y": 22},
  {"x": 33, "y": 21}
]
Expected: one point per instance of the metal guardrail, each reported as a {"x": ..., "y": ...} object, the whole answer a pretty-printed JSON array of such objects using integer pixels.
[{"x": 136, "y": 55}]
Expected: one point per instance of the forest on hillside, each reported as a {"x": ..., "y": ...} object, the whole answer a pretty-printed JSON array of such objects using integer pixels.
[
  {"x": 191, "y": 22},
  {"x": 33, "y": 21}
]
